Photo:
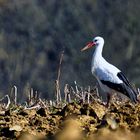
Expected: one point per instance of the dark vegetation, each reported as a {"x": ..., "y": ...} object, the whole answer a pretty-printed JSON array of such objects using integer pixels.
[{"x": 33, "y": 33}]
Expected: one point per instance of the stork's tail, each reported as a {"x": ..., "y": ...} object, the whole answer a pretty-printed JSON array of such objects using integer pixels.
[{"x": 132, "y": 94}]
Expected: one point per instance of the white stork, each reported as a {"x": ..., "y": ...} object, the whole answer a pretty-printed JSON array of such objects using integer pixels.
[{"x": 108, "y": 76}]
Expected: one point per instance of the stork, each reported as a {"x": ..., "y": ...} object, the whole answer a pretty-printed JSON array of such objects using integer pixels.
[{"x": 108, "y": 76}]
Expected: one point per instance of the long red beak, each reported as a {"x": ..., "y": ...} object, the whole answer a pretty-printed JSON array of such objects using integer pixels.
[{"x": 89, "y": 45}]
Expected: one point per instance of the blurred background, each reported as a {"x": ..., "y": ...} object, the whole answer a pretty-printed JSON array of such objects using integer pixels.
[{"x": 34, "y": 32}]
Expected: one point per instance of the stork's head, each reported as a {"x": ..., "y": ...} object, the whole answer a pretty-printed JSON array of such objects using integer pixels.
[{"x": 95, "y": 42}]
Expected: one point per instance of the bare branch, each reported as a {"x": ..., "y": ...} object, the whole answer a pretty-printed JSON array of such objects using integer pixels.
[
  {"x": 8, "y": 100},
  {"x": 88, "y": 94},
  {"x": 33, "y": 107},
  {"x": 58, "y": 94},
  {"x": 15, "y": 99},
  {"x": 42, "y": 103},
  {"x": 77, "y": 91}
]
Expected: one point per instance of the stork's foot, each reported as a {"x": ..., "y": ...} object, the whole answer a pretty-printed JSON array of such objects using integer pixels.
[
  {"x": 109, "y": 96},
  {"x": 105, "y": 104}
]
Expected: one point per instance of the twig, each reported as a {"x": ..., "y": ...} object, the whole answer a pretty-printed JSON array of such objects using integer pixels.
[
  {"x": 77, "y": 91},
  {"x": 8, "y": 100},
  {"x": 36, "y": 96},
  {"x": 11, "y": 93},
  {"x": 83, "y": 97},
  {"x": 57, "y": 91},
  {"x": 60, "y": 63},
  {"x": 51, "y": 103},
  {"x": 58, "y": 94},
  {"x": 30, "y": 97},
  {"x": 69, "y": 98},
  {"x": 33, "y": 107},
  {"x": 77, "y": 95},
  {"x": 97, "y": 91},
  {"x": 88, "y": 94},
  {"x": 42, "y": 103},
  {"x": 66, "y": 91},
  {"x": 15, "y": 99},
  {"x": 72, "y": 89}
]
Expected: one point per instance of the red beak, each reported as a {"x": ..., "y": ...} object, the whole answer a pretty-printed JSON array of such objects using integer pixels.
[{"x": 89, "y": 45}]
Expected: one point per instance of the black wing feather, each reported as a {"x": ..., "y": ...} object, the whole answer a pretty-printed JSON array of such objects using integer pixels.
[
  {"x": 125, "y": 87},
  {"x": 124, "y": 79}
]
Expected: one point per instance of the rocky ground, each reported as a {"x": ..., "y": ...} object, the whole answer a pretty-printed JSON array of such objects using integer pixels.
[{"x": 73, "y": 121}]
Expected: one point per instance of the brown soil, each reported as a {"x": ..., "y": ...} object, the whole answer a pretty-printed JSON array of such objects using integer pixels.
[{"x": 72, "y": 122}]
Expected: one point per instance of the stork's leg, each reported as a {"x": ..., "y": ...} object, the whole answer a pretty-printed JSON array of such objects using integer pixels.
[{"x": 108, "y": 99}]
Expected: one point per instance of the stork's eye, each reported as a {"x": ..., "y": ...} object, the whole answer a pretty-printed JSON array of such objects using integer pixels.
[{"x": 95, "y": 40}]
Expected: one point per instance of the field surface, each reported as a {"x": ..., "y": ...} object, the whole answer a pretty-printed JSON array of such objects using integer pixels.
[{"x": 71, "y": 121}]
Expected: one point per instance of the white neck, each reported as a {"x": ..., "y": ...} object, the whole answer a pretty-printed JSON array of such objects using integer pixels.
[
  {"x": 98, "y": 51},
  {"x": 97, "y": 55}
]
